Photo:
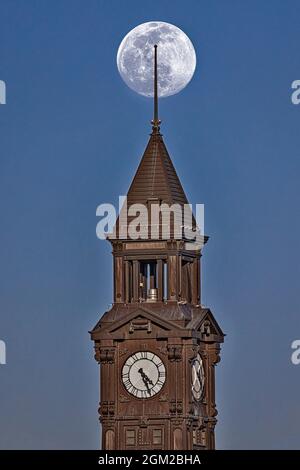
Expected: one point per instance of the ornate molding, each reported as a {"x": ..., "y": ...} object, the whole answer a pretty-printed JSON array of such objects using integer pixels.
[
  {"x": 163, "y": 350},
  {"x": 206, "y": 329},
  {"x": 123, "y": 398},
  {"x": 210, "y": 422},
  {"x": 107, "y": 423},
  {"x": 140, "y": 325},
  {"x": 122, "y": 352},
  {"x": 164, "y": 397},
  {"x": 174, "y": 353},
  {"x": 171, "y": 244},
  {"x": 144, "y": 423},
  {"x": 214, "y": 354},
  {"x": 215, "y": 411},
  {"x": 177, "y": 421},
  {"x": 107, "y": 408},
  {"x": 105, "y": 355},
  {"x": 117, "y": 245},
  {"x": 176, "y": 407},
  {"x": 192, "y": 353}
]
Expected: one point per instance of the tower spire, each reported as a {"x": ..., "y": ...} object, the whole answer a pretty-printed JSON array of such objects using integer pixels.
[{"x": 155, "y": 122}]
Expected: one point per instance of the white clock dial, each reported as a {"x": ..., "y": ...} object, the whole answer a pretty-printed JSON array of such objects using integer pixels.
[
  {"x": 143, "y": 374},
  {"x": 198, "y": 378}
]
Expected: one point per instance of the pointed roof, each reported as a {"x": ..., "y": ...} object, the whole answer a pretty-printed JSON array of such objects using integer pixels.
[{"x": 156, "y": 177}]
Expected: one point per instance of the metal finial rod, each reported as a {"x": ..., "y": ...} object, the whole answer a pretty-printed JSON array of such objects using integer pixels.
[
  {"x": 155, "y": 121},
  {"x": 155, "y": 86}
]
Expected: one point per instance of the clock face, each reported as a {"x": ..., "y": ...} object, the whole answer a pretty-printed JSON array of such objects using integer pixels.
[
  {"x": 198, "y": 378},
  {"x": 143, "y": 374}
]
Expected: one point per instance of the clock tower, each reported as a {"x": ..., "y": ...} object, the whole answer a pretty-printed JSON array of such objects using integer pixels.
[{"x": 158, "y": 345}]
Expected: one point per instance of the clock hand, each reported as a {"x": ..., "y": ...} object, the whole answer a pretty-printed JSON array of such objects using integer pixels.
[
  {"x": 145, "y": 379},
  {"x": 145, "y": 376},
  {"x": 147, "y": 385},
  {"x": 149, "y": 381}
]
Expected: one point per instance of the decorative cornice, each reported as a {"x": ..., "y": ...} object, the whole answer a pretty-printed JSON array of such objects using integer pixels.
[{"x": 105, "y": 355}]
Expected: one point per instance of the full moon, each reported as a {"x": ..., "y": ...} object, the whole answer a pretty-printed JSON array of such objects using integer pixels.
[{"x": 176, "y": 58}]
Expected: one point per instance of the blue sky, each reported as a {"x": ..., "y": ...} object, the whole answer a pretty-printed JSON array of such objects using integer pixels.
[{"x": 72, "y": 135}]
